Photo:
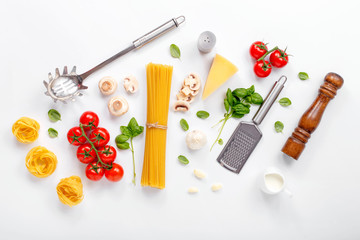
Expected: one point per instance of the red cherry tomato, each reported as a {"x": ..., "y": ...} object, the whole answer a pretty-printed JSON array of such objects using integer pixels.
[
  {"x": 100, "y": 137},
  {"x": 75, "y": 137},
  {"x": 85, "y": 153},
  {"x": 94, "y": 171},
  {"x": 262, "y": 68},
  {"x": 114, "y": 174},
  {"x": 90, "y": 119},
  {"x": 279, "y": 58},
  {"x": 107, "y": 154},
  {"x": 258, "y": 49}
]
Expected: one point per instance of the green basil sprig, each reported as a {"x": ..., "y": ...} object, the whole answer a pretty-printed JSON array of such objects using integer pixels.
[
  {"x": 237, "y": 104},
  {"x": 128, "y": 133},
  {"x": 54, "y": 115}
]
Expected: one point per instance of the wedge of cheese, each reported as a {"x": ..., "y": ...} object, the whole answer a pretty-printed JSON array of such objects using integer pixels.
[{"x": 221, "y": 70}]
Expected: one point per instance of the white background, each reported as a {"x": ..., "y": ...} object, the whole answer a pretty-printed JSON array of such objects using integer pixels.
[{"x": 323, "y": 36}]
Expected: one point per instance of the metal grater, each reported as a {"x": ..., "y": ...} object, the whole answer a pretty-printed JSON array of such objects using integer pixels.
[{"x": 247, "y": 134}]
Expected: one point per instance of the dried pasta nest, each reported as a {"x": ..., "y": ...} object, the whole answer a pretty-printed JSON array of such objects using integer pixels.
[
  {"x": 26, "y": 130},
  {"x": 70, "y": 191},
  {"x": 41, "y": 162}
]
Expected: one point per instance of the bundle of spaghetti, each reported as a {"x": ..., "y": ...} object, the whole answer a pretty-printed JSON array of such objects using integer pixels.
[
  {"x": 26, "y": 130},
  {"x": 41, "y": 162},
  {"x": 158, "y": 93},
  {"x": 70, "y": 191}
]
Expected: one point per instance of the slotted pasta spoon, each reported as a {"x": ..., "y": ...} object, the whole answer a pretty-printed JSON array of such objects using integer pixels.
[{"x": 67, "y": 86}]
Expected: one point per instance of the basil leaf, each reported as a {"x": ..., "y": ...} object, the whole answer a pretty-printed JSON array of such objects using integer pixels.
[
  {"x": 183, "y": 159},
  {"x": 226, "y": 105},
  {"x": 250, "y": 90},
  {"x": 236, "y": 115},
  {"x": 175, "y": 51},
  {"x": 126, "y": 131},
  {"x": 285, "y": 102},
  {"x": 241, "y": 109},
  {"x": 134, "y": 128},
  {"x": 230, "y": 97},
  {"x": 123, "y": 146},
  {"x": 137, "y": 131},
  {"x": 248, "y": 99},
  {"x": 54, "y": 115},
  {"x": 303, "y": 76},
  {"x": 52, "y": 133},
  {"x": 279, "y": 126},
  {"x": 220, "y": 142},
  {"x": 121, "y": 138},
  {"x": 184, "y": 125},
  {"x": 240, "y": 92},
  {"x": 256, "y": 99},
  {"x": 202, "y": 114}
]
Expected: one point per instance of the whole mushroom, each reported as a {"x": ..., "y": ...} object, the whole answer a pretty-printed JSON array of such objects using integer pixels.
[
  {"x": 196, "y": 139},
  {"x": 118, "y": 106},
  {"x": 107, "y": 85}
]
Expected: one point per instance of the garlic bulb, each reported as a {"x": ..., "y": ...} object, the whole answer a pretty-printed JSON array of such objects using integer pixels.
[{"x": 196, "y": 139}]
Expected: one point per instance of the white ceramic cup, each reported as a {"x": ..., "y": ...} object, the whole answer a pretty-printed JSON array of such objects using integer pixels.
[{"x": 272, "y": 181}]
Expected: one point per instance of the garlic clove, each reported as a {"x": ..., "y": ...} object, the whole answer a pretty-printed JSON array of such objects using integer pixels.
[
  {"x": 193, "y": 190},
  {"x": 199, "y": 174},
  {"x": 118, "y": 106},
  {"x": 216, "y": 187},
  {"x": 107, "y": 85}
]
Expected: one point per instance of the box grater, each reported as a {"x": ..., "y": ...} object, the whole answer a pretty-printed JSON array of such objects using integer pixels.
[{"x": 247, "y": 134}]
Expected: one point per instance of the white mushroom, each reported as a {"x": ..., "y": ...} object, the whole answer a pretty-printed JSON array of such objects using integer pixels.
[
  {"x": 107, "y": 85},
  {"x": 192, "y": 81},
  {"x": 181, "y": 96},
  {"x": 181, "y": 106},
  {"x": 118, "y": 106},
  {"x": 196, "y": 139},
  {"x": 185, "y": 90},
  {"x": 131, "y": 85}
]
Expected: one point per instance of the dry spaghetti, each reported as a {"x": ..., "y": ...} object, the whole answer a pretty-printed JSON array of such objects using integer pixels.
[
  {"x": 41, "y": 162},
  {"x": 70, "y": 191},
  {"x": 158, "y": 94},
  {"x": 26, "y": 130}
]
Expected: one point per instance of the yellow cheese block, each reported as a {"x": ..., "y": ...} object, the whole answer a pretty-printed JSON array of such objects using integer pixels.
[{"x": 221, "y": 70}]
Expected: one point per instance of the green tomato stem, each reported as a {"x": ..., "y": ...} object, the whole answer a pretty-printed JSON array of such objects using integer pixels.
[
  {"x": 133, "y": 157},
  {"x": 267, "y": 53},
  {"x": 93, "y": 147}
]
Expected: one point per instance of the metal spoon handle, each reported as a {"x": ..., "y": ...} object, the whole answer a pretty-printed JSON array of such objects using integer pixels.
[
  {"x": 138, "y": 43},
  {"x": 269, "y": 100}
]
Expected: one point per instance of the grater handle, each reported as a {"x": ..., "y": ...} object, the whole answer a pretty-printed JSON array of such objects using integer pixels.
[{"x": 269, "y": 100}]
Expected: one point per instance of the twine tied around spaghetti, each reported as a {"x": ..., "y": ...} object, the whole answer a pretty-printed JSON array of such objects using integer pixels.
[{"x": 156, "y": 125}]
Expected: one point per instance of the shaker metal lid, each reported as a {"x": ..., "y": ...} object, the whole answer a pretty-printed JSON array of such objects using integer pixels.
[{"x": 206, "y": 42}]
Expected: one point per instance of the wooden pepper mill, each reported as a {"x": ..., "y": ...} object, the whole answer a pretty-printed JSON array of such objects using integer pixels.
[{"x": 311, "y": 118}]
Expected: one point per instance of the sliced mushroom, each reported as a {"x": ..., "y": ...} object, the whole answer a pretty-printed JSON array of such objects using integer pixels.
[
  {"x": 180, "y": 96},
  {"x": 192, "y": 81},
  {"x": 186, "y": 90},
  {"x": 131, "y": 85},
  {"x": 181, "y": 106},
  {"x": 118, "y": 106},
  {"x": 107, "y": 85}
]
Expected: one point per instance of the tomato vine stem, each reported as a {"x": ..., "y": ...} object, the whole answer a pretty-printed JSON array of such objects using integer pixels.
[{"x": 267, "y": 53}]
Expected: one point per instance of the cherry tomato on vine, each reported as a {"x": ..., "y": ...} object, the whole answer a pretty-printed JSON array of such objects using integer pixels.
[
  {"x": 262, "y": 68},
  {"x": 91, "y": 119},
  {"x": 75, "y": 137},
  {"x": 94, "y": 171},
  {"x": 107, "y": 154},
  {"x": 100, "y": 137},
  {"x": 85, "y": 153},
  {"x": 258, "y": 49},
  {"x": 114, "y": 174},
  {"x": 279, "y": 58}
]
